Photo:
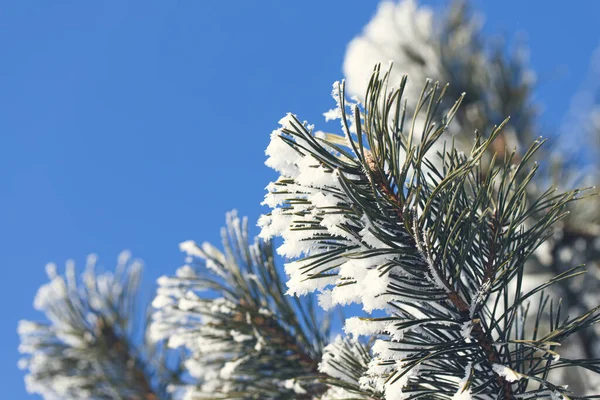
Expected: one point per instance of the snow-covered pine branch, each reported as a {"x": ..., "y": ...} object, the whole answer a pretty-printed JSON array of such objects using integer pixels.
[
  {"x": 373, "y": 217},
  {"x": 85, "y": 349},
  {"x": 244, "y": 336},
  {"x": 447, "y": 45}
]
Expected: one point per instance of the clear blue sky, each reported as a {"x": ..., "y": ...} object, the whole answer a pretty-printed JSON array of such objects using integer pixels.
[{"x": 138, "y": 124}]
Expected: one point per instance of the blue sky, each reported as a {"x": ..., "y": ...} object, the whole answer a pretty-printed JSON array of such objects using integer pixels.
[{"x": 138, "y": 124}]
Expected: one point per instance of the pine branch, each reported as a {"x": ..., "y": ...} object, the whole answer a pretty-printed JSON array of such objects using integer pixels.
[
  {"x": 245, "y": 337},
  {"x": 85, "y": 350},
  {"x": 345, "y": 361},
  {"x": 498, "y": 82},
  {"x": 436, "y": 241}
]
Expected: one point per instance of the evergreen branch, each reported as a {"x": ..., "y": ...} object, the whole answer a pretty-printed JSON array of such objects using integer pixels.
[
  {"x": 385, "y": 224},
  {"x": 482, "y": 337},
  {"x": 85, "y": 350},
  {"x": 449, "y": 47},
  {"x": 244, "y": 336},
  {"x": 345, "y": 361}
]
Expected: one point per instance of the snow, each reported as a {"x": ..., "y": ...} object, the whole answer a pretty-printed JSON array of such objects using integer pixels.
[
  {"x": 274, "y": 224},
  {"x": 506, "y": 373},
  {"x": 397, "y": 33},
  {"x": 185, "y": 272},
  {"x": 367, "y": 234},
  {"x": 264, "y": 311},
  {"x": 433, "y": 274},
  {"x": 339, "y": 393},
  {"x": 51, "y": 271},
  {"x": 211, "y": 252},
  {"x": 287, "y": 121},
  {"x": 325, "y": 299},
  {"x": 313, "y": 174},
  {"x": 189, "y": 302},
  {"x": 464, "y": 392},
  {"x": 190, "y": 248},
  {"x": 260, "y": 342},
  {"x": 123, "y": 258},
  {"x": 334, "y": 224},
  {"x": 27, "y": 327},
  {"x": 162, "y": 301},
  {"x": 394, "y": 390},
  {"x": 338, "y": 350},
  {"x": 479, "y": 298},
  {"x": 240, "y": 337},
  {"x": 90, "y": 261},
  {"x": 384, "y": 350},
  {"x": 221, "y": 305},
  {"x": 357, "y": 326},
  {"x": 229, "y": 368},
  {"x": 370, "y": 286},
  {"x": 281, "y": 156},
  {"x": 324, "y": 200},
  {"x": 300, "y": 284},
  {"x": 294, "y": 385},
  {"x": 332, "y": 114},
  {"x": 297, "y": 242},
  {"x": 49, "y": 293},
  {"x": 335, "y": 113},
  {"x": 465, "y": 331},
  {"x": 195, "y": 368}
]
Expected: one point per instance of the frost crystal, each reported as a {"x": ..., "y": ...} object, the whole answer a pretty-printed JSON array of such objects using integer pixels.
[
  {"x": 465, "y": 331},
  {"x": 506, "y": 373}
]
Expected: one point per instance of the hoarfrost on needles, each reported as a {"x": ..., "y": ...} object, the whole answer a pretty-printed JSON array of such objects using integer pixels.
[{"x": 506, "y": 372}]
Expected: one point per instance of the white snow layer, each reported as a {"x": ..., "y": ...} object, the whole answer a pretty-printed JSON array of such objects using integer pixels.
[
  {"x": 464, "y": 392},
  {"x": 506, "y": 372},
  {"x": 400, "y": 32}
]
